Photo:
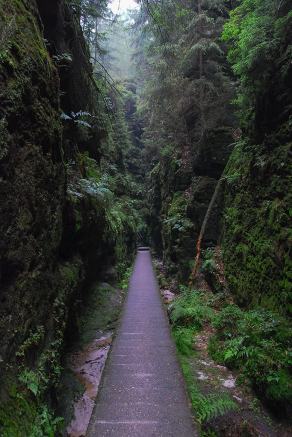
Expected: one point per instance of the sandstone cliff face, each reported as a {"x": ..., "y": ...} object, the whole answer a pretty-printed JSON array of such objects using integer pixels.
[
  {"x": 62, "y": 208},
  {"x": 32, "y": 175},
  {"x": 257, "y": 205}
]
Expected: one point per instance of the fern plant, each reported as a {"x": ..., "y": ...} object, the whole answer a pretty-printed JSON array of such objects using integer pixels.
[
  {"x": 258, "y": 343},
  {"x": 190, "y": 309},
  {"x": 209, "y": 406}
]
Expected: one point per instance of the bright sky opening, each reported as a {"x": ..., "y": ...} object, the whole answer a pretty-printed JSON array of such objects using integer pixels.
[{"x": 120, "y": 6}]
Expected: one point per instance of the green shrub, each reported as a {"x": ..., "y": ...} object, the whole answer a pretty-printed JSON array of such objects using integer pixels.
[
  {"x": 189, "y": 312},
  {"x": 226, "y": 321},
  {"x": 190, "y": 309},
  {"x": 23, "y": 415},
  {"x": 208, "y": 406},
  {"x": 208, "y": 265},
  {"x": 258, "y": 343},
  {"x": 184, "y": 339}
]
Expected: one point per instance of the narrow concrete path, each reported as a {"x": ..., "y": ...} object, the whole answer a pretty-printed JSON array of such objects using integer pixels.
[{"x": 142, "y": 392}]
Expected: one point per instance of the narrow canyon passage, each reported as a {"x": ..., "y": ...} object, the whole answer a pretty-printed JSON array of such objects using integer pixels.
[{"x": 142, "y": 392}]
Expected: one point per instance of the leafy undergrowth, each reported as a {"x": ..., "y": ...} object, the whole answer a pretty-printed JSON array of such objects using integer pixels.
[
  {"x": 255, "y": 344},
  {"x": 258, "y": 344},
  {"x": 188, "y": 314},
  {"x": 206, "y": 406},
  {"x": 25, "y": 415}
]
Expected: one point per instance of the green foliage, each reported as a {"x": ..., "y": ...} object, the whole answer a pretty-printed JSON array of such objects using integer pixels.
[
  {"x": 79, "y": 118},
  {"x": 176, "y": 215},
  {"x": 205, "y": 407},
  {"x": 208, "y": 264},
  {"x": 255, "y": 34},
  {"x": 256, "y": 216},
  {"x": 31, "y": 380},
  {"x": 23, "y": 416},
  {"x": 258, "y": 343},
  {"x": 64, "y": 60},
  {"x": 32, "y": 340},
  {"x": 167, "y": 151},
  {"x": 189, "y": 312},
  {"x": 124, "y": 274},
  {"x": 176, "y": 228},
  {"x": 257, "y": 222},
  {"x": 190, "y": 309},
  {"x": 181, "y": 65},
  {"x": 184, "y": 339},
  {"x": 109, "y": 190},
  {"x": 70, "y": 274},
  {"x": 185, "y": 86},
  {"x": 90, "y": 12},
  {"x": 226, "y": 321}
]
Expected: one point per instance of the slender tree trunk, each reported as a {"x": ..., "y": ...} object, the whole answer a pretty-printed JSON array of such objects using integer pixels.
[{"x": 202, "y": 233}]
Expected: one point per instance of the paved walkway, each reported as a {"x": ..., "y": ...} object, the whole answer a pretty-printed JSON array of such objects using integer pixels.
[{"x": 142, "y": 392}]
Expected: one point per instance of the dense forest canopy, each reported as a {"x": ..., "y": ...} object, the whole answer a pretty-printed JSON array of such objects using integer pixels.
[{"x": 164, "y": 123}]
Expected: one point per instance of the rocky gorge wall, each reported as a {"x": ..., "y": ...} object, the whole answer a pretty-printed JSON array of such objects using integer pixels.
[
  {"x": 257, "y": 200},
  {"x": 32, "y": 176},
  {"x": 192, "y": 133},
  {"x": 181, "y": 190},
  {"x": 182, "y": 184},
  {"x": 251, "y": 153},
  {"x": 64, "y": 208}
]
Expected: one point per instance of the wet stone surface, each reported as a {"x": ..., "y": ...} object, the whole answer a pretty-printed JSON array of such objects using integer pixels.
[{"x": 87, "y": 366}]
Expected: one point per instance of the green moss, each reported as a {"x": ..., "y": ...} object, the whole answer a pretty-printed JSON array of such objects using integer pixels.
[
  {"x": 70, "y": 273},
  {"x": 256, "y": 243},
  {"x": 100, "y": 311},
  {"x": 22, "y": 415},
  {"x": 21, "y": 37},
  {"x": 89, "y": 166}
]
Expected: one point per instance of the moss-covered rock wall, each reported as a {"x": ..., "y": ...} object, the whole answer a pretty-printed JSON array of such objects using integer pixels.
[
  {"x": 32, "y": 175},
  {"x": 181, "y": 187},
  {"x": 68, "y": 206},
  {"x": 257, "y": 215}
]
